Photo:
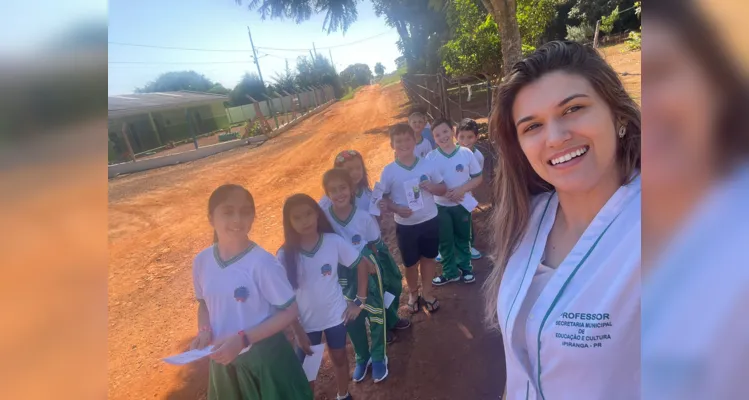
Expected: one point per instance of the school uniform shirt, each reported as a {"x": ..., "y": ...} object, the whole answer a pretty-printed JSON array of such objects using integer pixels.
[
  {"x": 426, "y": 133},
  {"x": 242, "y": 292},
  {"x": 479, "y": 157},
  {"x": 394, "y": 178},
  {"x": 694, "y": 303},
  {"x": 359, "y": 229},
  {"x": 581, "y": 333},
  {"x": 361, "y": 200},
  {"x": 422, "y": 148},
  {"x": 456, "y": 168},
  {"x": 319, "y": 297}
]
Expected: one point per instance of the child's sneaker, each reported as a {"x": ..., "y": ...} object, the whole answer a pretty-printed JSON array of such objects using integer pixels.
[
  {"x": 360, "y": 371},
  {"x": 402, "y": 324},
  {"x": 439, "y": 258},
  {"x": 475, "y": 254},
  {"x": 346, "y": 397},
  {"x": 441, "y": 280},
  {"x": 468, "y": 277},
  {"x": 379, "y": 371}
]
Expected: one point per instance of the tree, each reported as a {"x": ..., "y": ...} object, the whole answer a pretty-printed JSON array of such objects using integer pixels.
[
  {"x": 286, "y": 80},
  {"x": 581, "y": 33},
  {"x": 356, "y": 75},
  {"x": 505, "y": 14},
  {"x": 219, "y": 89},
  {"x": 339, "y": 14},
  {"x": 607, "y": 22},
  {"x": 317, "y": 70},
  {"x": 475, "y": 46},
  {"x": 379, "y": 69},
  {"x": 421, "y": 31},
  {"x": 249, "y": 85},
  {"x": 176, "y": 81}
]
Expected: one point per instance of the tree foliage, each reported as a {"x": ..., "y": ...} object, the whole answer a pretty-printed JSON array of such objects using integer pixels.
[
  {"x": 421, "y": 30},
  {"x": 356, "y": 75},
  {"x": 339, "y": 14},
  {"x": 607, "y": 22},
  {"x": 317, "y": 70},
  {"x": 379, "y": 69},
  {"x": 286, "y": 80},
  {"x": 219, "y": 89},
  {"x": 581, "y": 33},
  {"x": 249, "y": 85},
  {"x": 176, "y": 81},
  {"x": 475, "y": 46}
]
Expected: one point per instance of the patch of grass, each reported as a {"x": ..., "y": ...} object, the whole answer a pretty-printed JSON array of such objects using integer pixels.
[
  {"x": 350, "y": 94},
  {"x": 393, "y": 77}
]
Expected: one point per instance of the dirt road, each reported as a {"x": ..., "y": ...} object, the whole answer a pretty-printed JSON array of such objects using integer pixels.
[{"x": 157, "y": 223}]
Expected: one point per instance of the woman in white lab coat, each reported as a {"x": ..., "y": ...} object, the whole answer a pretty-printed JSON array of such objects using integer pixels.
[{"x": 565, "y": 291}]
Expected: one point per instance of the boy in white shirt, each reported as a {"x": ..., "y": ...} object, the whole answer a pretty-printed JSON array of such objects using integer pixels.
[
  {"x": 468, "y": 135},
  {"x": 462, "y": 174},
  {"x": 410, "y": 184}
]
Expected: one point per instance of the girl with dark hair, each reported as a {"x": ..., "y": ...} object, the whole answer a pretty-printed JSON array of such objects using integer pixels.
[
  {"x": 565, "y": 290},
  {"x": 245, "y": 303},
  {"x": 312, "y": 254},
  {"x": 353, "y": 162}
]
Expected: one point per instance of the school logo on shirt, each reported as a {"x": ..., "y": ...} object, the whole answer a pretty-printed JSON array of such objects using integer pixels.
[
  {"x": 241, "y": 294},
  {"x": 355, "y": 240},
  {"x": 423, "y": 178},
  {"x": 326, "y": 270},
  {"x": 459, "y": 167}
]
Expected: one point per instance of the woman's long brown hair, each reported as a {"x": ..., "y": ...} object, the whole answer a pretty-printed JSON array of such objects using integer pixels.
[{"x": 515, "y": 180}]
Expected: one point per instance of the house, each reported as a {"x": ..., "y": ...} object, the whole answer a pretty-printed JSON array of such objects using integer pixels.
[{"x": 151, "y": 120}]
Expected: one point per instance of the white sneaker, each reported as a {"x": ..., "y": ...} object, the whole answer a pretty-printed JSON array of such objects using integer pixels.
[{"x": 475, "y": 254}]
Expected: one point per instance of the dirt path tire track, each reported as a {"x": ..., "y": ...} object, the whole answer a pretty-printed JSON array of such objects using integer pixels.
[{"x": 158, "y": 223}]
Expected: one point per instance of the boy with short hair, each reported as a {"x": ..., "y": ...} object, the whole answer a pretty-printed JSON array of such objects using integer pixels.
[
  {"x": 468, "y": 134},
  {"x": 410, "y": 184},
  {"x": 418, "y": 122},
  {"x": 462, "y": 174}
]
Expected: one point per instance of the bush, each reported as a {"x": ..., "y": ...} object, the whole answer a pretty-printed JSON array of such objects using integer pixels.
[
  {"x": 581, "y": 33},
  {"x": 634, "y": 41},
  {"x": 252, "y": 129},
  {"x": 226, "y": 136}
]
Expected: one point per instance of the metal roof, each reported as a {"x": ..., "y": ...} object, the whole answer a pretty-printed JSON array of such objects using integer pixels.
[{"x": 132, "y": 104}]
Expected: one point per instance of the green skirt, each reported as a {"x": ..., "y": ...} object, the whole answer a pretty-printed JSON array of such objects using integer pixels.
[{"x": 268, "y": 371}]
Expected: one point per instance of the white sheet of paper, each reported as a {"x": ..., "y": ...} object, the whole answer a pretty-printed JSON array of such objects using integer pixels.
[
  {"x": 311, "y": 364},
  {"x": 374, "y": 207},
  {"x": 189, "y": 356},
  {"x": 388, "y": 299},
  {"x": 413, "y": 194},
  {"x": 469, "y": 202}
]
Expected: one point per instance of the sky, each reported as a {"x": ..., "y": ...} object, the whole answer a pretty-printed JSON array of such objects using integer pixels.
[{"x": 222, "y": 25}]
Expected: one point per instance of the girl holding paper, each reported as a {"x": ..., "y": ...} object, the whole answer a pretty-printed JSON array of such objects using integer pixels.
[
  {"x": 316, "y": 261},
  {"x": 245, "y": 300}
]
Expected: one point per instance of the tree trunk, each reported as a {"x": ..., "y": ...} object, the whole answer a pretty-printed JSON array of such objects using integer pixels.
[{"x": 504, "y": 13}]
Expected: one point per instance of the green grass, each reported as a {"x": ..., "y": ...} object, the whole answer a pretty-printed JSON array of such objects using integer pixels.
[
  {"x": 393, "y": 77},
  {"x": 350, "y": 94}
]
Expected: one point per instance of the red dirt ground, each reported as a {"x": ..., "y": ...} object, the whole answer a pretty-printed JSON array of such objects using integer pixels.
[{"x": 157, "y": 223}]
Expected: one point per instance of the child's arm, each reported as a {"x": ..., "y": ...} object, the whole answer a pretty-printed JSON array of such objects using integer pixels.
[
  {"x": 302, "y": 340},
  {"x": 470, "y": 185},
  {"x": 204, "y": 327}
]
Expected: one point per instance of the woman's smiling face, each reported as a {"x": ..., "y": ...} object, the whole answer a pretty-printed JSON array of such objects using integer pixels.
[{"x": 566, "y": 131}]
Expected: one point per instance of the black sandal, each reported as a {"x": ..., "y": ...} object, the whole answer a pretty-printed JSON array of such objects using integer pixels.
[{"x": 433, "y": 306}]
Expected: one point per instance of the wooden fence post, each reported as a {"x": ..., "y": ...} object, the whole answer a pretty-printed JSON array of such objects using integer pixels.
[
  {"x": 191, "y": 127},
  {"x": 129, "y": 148},
  {"x": 271, "y": 109},
  {"x": 259, "y": 113},
  {"x": 595, "y": 35}
]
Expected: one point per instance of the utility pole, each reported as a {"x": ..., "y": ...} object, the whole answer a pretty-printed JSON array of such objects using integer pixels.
[
  {"x": 313, "y": 48},
  {"x": 331, "y": 60},
  {"x": 254, "y": 56}
]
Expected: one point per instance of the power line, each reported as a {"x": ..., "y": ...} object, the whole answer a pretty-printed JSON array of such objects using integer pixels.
[
  {"x": 179, "y": 62},
  {"x": 239, "y": 50}
]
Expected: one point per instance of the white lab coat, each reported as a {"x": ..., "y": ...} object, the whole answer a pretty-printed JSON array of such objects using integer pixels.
[
  {"x": 587, "y": 318},
  {"x": 695, "y": 328}
]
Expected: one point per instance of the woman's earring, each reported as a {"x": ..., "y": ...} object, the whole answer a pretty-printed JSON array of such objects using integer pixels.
[{"x": 622, "y": 131}]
